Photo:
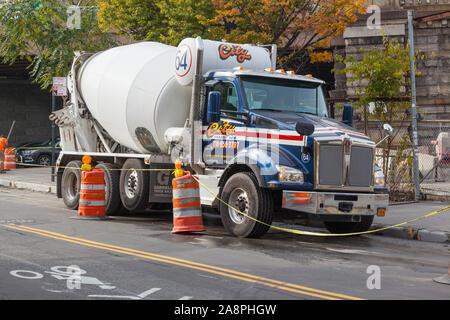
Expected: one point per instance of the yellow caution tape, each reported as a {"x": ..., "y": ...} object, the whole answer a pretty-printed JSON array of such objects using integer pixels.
[
  {"x": 76, "y": 168},
  {"x": 318, "y": 234},
  {"x": 20, "y": 148},
  {"x": 299, "y": 232}
]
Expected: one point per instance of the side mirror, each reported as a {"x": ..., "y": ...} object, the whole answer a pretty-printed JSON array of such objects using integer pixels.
[
  {"x": 388, "y": 129},
  {"x": 304, "y": 128},
  {"x": 347, "y": 116},
  {"x": 213, "y": 112}
]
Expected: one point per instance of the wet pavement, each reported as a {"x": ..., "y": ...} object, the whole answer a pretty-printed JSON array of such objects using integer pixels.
[{"x": 137, "y": 257}]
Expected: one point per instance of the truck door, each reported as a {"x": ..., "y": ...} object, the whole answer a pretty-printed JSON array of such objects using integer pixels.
[{"x": 220, "y": 144}]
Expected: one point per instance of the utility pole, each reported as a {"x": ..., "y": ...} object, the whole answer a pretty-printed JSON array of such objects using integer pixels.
[
  {"x": 53, "y": 140},
  {"x": 413, "y": 106}
]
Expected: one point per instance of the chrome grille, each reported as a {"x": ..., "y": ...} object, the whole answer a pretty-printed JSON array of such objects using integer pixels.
[
  {"x": 361, "y": 166},
  {"x": 331, "y": 165},
  {"x": 336, "y": 170}
]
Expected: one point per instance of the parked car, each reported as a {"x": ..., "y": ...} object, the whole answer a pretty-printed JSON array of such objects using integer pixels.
[{"x": 37, "y": 152}]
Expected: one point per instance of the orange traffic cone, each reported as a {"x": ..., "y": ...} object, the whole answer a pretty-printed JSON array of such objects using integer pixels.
[
  {"x": 10, "y": 159},
  {"x": 187, "y": 210},
  {"x": 92, "y": 194}
]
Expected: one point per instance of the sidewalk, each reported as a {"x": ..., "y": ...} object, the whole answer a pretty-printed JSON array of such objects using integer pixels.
[
  {"x": 433, "y": 229},
  {"x": 34, "y": 179}
]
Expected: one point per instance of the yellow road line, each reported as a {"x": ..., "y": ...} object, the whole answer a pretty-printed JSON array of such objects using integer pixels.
[
  {"x": 190, "y": 264},
  {"x": 197, "y": 264}
]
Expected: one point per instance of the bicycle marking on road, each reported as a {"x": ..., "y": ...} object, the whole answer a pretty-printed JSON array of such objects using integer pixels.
[
  {"x": 21, "y": 274},
  {"x": 285, "y": 286}
]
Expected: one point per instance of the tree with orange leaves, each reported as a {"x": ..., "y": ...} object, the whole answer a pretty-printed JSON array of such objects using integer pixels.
[{"x": 302, "y": 29}]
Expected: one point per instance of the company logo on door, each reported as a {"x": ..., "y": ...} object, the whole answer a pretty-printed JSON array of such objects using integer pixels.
[
  {"x": 226, "y": 51},
  {"x": 220, "y": 129}
]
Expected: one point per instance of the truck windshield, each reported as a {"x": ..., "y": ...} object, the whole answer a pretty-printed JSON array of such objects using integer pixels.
[{"x": 275, "y": 94}]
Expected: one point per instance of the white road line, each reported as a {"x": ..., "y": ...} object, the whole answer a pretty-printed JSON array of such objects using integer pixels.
[
  {"x": 185, "y": 298},
  {"x": 148, "y": 292},
  {"x": 355, "y": 251},
  {"x": 109, "y": 297},
  {"x": 138, "y": 297}
]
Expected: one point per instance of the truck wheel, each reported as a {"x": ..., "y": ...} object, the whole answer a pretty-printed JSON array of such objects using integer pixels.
[
  {"x": 112, "y": 188},
  {"x": 365, "y": 224},
  {"x": 243, "y": 193},
  {"x": 350, "y": 227},
  {"x": 134, "y": 185},
  {"x": 70, "y": 184}
]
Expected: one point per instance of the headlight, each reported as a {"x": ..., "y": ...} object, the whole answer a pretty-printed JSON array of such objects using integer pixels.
[
  {"x": 379, "y": 178},
  {"x": 288, "y": 174},
  {"x": 28, "y": 152}
]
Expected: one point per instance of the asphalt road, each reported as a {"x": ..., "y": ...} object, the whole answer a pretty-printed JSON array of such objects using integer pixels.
[{"x": 46, "y": 253}]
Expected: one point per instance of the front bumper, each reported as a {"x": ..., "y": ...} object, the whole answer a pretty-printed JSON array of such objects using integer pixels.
[
  {"x": 333, "y": 203},
  {"x": 25, "y": 159}
]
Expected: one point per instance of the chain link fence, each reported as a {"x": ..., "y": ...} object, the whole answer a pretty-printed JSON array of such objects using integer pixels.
[
  {"x": 434, "y": 157},
  {"x": 395, "y": 157}
]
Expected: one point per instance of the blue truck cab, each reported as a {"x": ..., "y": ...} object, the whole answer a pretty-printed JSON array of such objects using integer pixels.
[{"x": 268, "y": 135}]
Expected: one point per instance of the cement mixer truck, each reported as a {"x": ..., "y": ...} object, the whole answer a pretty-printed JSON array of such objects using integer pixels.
[{"x": 258, "y": 138}]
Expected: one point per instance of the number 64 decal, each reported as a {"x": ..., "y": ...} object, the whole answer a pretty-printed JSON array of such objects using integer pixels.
[{"x": 183, "y": 60}]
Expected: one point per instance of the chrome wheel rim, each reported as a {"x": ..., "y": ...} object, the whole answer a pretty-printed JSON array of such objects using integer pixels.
[
  {"x": 132, "y": 184},
  {"x": 44, "y": 161},
  {"x": 239, "y": 200}
]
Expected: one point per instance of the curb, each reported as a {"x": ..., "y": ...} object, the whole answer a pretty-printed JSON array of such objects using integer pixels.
[
  {"x": 413, "y": 233},
  {"x": 28, "y": 186},
  {"x": 408, "y": 233}
]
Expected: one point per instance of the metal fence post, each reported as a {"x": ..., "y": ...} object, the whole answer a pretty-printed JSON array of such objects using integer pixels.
[
  {"x": 413, "y": 106},
  {"x": 53, "y": 140}
]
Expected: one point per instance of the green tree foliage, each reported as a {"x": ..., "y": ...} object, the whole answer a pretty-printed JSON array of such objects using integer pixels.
[
  {"x": 298, "y": 27},
  {"x": 382, "y": 74},
  {"x": 38, "y": 31},
  {"x": 167, "y": 21},
  {"x": 185, "y": 19},
  {"x": 381, "y": 79},
  {"x": 140, "y": 19}
]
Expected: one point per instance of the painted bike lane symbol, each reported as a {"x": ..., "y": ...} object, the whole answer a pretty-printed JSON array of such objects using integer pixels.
[{"x": 73, "y": 275}]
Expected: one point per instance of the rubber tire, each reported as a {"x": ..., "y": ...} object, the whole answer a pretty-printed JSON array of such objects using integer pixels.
[
  {"x": 140, "y": 200},
  {"x": 260, "y": 206},
  {"x": 71, "y": 202},
  {"x": 350, "y": 227},
  {"x": 38, "y": 161},
  {"x": 113, "y": 202}
]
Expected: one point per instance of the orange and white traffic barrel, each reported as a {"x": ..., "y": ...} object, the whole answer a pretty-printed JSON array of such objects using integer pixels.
[
  {"x": 10, "y": 158},
  {"x": 187, "y": 209},
  {"x": 92, "y": 194}
]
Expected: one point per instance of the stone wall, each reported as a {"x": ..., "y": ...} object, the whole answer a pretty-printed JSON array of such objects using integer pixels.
[
  {"x": 431, "y": 38},
  {"x": 433, "y": 84}
]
